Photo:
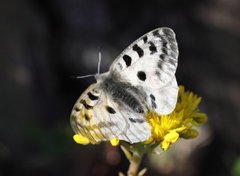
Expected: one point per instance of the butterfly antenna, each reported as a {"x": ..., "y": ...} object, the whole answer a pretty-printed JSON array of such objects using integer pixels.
[
  {"x": 85, "y": 76},
  {"x": 99, "y": 62},
  {"x": 98, "y": 69}
]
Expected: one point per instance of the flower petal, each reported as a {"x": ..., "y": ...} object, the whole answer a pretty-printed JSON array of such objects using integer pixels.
[
  {"x": 171, "y": 137},
  {"x": 81, "y": 139},
  {"x": 114, "y": 142}
]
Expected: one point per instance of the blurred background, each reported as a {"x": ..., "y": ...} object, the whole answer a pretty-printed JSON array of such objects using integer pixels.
[{"x": 44, "y": 43}]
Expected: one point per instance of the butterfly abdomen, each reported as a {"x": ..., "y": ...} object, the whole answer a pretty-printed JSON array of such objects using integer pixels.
[{"x": 124, "y": 94}]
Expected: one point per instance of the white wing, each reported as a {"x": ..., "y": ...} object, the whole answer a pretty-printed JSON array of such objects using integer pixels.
[
  {"x": 163, "y": 100},
  {"x": 150, "y": 62},
  {"x": 96, "y": 116}
]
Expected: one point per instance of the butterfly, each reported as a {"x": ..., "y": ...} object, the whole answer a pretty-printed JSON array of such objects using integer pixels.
[{"x": 141, "y": 79}]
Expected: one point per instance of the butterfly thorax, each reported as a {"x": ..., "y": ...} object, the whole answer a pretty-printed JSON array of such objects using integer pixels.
[{"x": 124, "y": 94}]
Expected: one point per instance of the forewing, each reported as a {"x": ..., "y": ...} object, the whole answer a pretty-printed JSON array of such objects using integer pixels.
[
  {"x": 96, "y": 116},
  {"x": 150, "y": 61}
]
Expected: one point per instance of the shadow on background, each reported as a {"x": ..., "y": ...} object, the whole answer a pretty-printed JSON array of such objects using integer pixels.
[{"x": 44, "y": 43}]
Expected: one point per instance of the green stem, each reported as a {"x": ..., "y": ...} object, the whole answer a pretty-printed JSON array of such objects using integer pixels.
[{"x": 134, "y": 164}]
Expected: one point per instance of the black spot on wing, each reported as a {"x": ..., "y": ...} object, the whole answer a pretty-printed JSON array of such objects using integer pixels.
[
  {"x": 87, "y": 117},
  {"x": 145, "y": 38},
  {"x": 153, "y": 101},
  {"x": 110, "y": 110},
  {"x": 152, "y": 97},
  {"x": 136, "y": 120},
  {"x": 158, "y": 73},
  {"x": 154, "y": 105},
  {"x": 91, "y": 96},
  {"x": 156, "y": 33},
  {"x": 127, "y": 59},
  {"x": 141, "y": 75},
  {"x": 85, "y": 104},
  {"x": 132, "y": 120},
  {"x": 160, "y": 64},
  {"x": 162, "y": 56},
  {"x": 138, "y": 50},
  {"x": 165, "y": 51},
  {"x": 165, "y": 44},
  {"x": 76, "y": 108},
  {"x": 152, "y": 48}
]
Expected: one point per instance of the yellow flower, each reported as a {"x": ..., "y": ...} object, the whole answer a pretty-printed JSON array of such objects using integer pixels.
[
  {"x": 81, "y": 139},
  {"x": 166, "y": 129},
  {"x": 114, "y": 142}
]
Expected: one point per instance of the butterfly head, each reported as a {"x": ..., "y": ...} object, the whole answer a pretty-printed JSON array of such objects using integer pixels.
[{"x": 100, "y": 77}]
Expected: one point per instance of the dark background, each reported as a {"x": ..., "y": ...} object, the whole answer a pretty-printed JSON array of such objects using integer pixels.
[{"x": 44, "y": 43}]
